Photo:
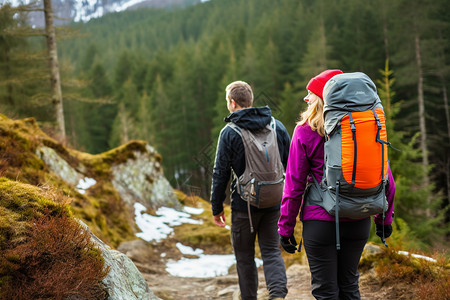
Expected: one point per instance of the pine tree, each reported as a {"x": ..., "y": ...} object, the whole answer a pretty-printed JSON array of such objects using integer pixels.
[
  {"x": 410, "y": 195},
  {"x": 317, "y": 57},
  {"x": 220, "y": 109},
  {"x": 23, "y": 72},
  {"x": 159, "y": 116},
  {"x": 183, "y": 128},
  {"x": 88, "y": 60},
  {"x": 410, "y": 58},
  {"x": 291, "y": 104},
  {"x": 123, "y": 70},
  {"x": 354, "y": 29},
  {"x": 99, "y": 114}
]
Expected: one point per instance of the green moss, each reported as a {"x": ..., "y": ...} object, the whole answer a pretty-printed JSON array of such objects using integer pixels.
[
  {"x": 62, "y": 151},
  {"x": 18, "y": 141},
  {"x": 105, "y": 213},
  {"x": 27, "y": 200},
  {"x": 20, "y": 205},
  {"x": 101, "y": 208},
  {"x": 368, "y": 262},
  {"x": 204, "y": 236},
  {"x": 207, "y": 235}
]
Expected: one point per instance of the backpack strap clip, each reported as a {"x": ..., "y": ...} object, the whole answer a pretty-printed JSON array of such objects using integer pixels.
[{"x": 338, "y": 239}]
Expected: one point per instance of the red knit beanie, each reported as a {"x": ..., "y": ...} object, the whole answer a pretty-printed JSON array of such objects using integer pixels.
[{"x": 316, "y": 84}]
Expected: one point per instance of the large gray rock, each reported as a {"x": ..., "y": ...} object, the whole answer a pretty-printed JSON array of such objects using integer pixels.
[
  {"x": 141, "y": 179},
  {"x": 124, "y": 281},
  {"x": 58, "y": 165},
  {"x": 138, "y": 250},
  {"x": 371, "y": 249}
]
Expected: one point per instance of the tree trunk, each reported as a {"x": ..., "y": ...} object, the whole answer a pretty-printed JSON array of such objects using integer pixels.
[
  {"x": 445, "y": 98},
  {"x": 448, "y": 181},
  {"x": 9, "y": 88},
  {"x": 422, "y": 124},
  {"x": 447, "y": 117},
  {"x": 385, "y": 29},
  {"x": 124, "y": 124},
  {"x": 55, "y": 80}
]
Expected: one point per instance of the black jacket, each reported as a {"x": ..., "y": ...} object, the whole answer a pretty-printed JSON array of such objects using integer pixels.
[{"x": 230, "y": 155}]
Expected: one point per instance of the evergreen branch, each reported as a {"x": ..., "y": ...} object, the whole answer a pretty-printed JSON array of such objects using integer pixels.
[{"x": 78, "y": 98}]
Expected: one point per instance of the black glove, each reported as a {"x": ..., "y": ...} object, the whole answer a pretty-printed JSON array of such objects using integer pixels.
[
  {"x": 387, "y": 230},
  {"x": 288, "y": 243}
]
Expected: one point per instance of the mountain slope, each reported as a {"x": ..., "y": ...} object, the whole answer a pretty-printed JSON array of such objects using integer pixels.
[{"x": 67, "y": 11}]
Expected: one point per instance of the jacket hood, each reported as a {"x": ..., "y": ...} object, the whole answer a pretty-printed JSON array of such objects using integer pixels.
[{"x": 252, "y": 118}]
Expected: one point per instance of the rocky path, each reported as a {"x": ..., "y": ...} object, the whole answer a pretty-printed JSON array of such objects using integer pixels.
[
  {"x": 225, "y": 287},
  {"x": 168, "y": 287},
  {"x": 151, "y": 263}
]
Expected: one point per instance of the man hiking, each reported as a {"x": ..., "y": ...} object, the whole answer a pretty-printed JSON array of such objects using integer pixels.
[{"x": 249, "y": 221}]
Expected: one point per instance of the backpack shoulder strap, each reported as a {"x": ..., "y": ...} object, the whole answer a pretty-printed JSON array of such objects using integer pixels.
[
  {"x": 236, "y": 128},
  {"x": 317, "y": 185}
]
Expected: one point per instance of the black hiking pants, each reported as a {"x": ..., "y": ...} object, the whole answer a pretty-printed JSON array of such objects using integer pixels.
[
  {"x": 334, "y": 274},
  {"x": 265, "y": 226}
]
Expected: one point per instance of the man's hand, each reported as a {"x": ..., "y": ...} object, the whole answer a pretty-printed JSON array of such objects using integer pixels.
[
  {"x": 219, "y": 219},
  {"x": 289, "y": 244}
]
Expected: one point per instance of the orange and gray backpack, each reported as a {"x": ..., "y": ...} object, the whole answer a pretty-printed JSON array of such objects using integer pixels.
[{"x": 356, "y": 157}]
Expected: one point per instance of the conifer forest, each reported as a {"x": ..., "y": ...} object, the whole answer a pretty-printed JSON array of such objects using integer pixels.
[{"x": 160, "y": 76}]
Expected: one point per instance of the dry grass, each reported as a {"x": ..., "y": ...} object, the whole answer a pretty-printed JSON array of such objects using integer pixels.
[
  {"x": 57, "y": 261},
  {"x": 430, "y": 279}
]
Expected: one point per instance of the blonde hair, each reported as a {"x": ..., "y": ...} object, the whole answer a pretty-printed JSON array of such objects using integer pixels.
[
  {"x": 314, "y": 114},
  {"x": 240, "y": 92}
]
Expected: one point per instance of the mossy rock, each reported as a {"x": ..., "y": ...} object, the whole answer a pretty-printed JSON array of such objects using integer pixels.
[
  {"x": 100, "y": 207},
  {"x": 20, "y": 205},
  {"x": 40, "y": 238}
]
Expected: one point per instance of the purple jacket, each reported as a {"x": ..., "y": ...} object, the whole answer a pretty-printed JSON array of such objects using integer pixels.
[{"x": 306, "y": 156}]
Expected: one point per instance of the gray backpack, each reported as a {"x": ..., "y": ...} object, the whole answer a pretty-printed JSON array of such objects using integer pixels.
[{"x": 262, "y": 182}]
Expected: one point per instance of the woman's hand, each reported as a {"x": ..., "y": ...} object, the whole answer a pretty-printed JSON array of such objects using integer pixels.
[{"x": 289, "y": 244}]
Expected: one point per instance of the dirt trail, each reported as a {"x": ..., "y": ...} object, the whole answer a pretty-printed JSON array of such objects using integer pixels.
[
  {"x": 151, "y": 261},
  {"x": 168, "y": 287}
]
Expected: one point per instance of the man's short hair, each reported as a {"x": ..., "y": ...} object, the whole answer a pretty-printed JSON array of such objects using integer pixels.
[{"x": 240, "y": 92}]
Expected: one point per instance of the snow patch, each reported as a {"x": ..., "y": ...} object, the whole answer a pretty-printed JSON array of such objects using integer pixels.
[
  {"x": 193, "y": 210},
  {"x": 417, "y": 256},
  {"x": 188, "y": 250},
  {"x": 204, "y": 267},
  {"x": 156, "y": 228},
  {"x": 84, "y": 184}
]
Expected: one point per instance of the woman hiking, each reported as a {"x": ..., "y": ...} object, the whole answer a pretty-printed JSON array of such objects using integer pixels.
[{"x": 334, "y": 273}]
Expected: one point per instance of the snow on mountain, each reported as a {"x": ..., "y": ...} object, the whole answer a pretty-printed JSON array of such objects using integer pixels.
[{"x": 83, "y": 10}]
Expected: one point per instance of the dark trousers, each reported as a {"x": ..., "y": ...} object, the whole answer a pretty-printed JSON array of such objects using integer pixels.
[
  {"x": 334, "y": 274},
  {"x": 265, "y": 226}
]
